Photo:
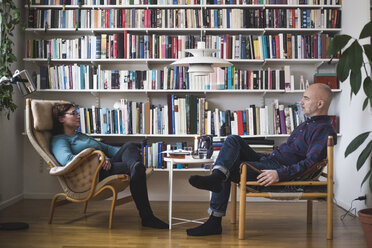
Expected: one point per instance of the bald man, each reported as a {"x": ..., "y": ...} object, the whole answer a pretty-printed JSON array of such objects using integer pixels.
[{"x": 305, "y": 147}]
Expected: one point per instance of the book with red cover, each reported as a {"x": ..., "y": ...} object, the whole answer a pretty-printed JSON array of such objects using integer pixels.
[
  {"x": 335, "y": 123},
  {"x": 115, "y": 46},
  {"x": 125, "y": 43},
  {"x": 329, "y": 79},
  {"x": 323, "y": 45},
  {"x": 240, "y": 122}
]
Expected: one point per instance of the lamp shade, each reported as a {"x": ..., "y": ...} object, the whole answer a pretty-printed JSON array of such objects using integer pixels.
[
  {"x": 202, "y": 62},
  {"x": 24, "y": 82}
]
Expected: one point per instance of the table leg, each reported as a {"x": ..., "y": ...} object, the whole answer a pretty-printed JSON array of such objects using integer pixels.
[{"x": 170, "y": 171}]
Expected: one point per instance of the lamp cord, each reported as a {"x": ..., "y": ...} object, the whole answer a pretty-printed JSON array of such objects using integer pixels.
[{"x": 351, "y": 212}]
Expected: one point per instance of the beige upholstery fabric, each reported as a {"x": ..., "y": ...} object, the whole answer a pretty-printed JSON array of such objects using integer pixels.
[
  {"x": 63, "y": 170},
  {"x": 42, "y": 114},
  {"x": 80, "y": 179},
  {"x": 43, "y": 138}
]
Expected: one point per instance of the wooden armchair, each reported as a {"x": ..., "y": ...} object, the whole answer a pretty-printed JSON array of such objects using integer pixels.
[
  {"x": 79, "y": 178},
  {"x": 308, "y": 194}
]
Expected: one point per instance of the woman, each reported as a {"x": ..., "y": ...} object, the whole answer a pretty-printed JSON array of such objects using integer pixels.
[{"x": 66, "y": 143}]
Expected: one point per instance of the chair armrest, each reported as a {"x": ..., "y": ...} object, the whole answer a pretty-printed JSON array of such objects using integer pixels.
[{"x": 63, "y": 170}]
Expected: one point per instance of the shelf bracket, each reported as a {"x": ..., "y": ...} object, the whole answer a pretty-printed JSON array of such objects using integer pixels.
[
  {"x": 263, "y": 98},
  {"x": 98, "y": 98},
  {"x": 318, "y": 65}
]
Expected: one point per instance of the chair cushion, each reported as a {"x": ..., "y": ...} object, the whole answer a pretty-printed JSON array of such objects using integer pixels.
[{"x": 42, "y": 114}]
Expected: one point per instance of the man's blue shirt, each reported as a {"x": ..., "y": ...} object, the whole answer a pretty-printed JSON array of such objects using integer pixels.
[{"x": 307, "y": 144}]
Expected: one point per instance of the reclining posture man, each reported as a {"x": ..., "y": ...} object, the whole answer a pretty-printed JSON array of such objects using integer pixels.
[{"x": 305, "y": 147}]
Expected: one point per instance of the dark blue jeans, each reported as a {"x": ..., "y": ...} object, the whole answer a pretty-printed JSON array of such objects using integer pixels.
[
  {"x": 235, "y": 151},
  {"x": 125, "y": 162}
]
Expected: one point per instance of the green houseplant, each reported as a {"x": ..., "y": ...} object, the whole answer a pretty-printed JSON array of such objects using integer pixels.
[
  {"x": 353, "y": 60},
  {"x": 9, "y": 18}
]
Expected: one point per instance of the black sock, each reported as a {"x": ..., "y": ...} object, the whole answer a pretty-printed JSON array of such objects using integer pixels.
[
  {"x": 154, "y": 222},
  {"x": 211, "y": 227},
  {"x": 212, "y": 182}
]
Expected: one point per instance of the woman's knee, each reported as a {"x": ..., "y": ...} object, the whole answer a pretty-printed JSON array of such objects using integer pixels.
[
  {"x": 233, "y": 139},
  {"x": 130, "y": 145}
]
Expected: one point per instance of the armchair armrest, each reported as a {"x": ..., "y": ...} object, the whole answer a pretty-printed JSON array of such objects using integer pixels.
[{"x": 63, "y": 170}]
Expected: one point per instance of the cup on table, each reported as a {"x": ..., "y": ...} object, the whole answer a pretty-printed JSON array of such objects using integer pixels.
[
  {"x": 203, "y": 153},
  {"x": 189, "y": 150}
]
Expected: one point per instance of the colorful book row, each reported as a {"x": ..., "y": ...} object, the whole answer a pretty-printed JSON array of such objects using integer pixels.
[
  {"x": 183, "y": 2},
  {"x": 88, "y": 77},
  {"x": 185, "y": 18},
  {"x": 189, "y": 115},
  {"x": 124, "y": 45}
]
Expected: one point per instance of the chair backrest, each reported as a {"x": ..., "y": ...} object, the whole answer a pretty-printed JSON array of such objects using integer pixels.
[{"x": 39, "y": 124}]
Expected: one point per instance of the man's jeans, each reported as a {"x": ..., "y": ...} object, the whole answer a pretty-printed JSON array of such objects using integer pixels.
[{"x": 235, "y": 151}]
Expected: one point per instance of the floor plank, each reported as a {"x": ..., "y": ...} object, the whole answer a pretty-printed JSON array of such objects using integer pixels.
[{"x": 269, "y": 224}]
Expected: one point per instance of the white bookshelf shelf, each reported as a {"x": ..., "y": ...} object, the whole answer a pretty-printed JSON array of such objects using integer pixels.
[{"x": 186, "y": 6}]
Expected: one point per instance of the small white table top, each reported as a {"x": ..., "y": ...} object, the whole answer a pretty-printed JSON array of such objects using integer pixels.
[{"x": 189, "y": 160}]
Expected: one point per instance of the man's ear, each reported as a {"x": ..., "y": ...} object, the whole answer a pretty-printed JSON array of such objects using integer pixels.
[{"x": 321, "y": 104}]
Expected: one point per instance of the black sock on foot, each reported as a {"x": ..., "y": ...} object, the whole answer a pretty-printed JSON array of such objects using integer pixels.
[
  {"x": 211, "y": 227},
  {"x": 154, "y": 222},
  {"x": 211, "y": 182}
]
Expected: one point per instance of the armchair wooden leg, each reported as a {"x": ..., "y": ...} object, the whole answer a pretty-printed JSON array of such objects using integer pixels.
[
  {"x": 243, "y": 189},
  {"x": 113, "y": 204},
  {"x": 85, "y": 207},
  {"x": 329, "y": 216},
  {"x": 55, "y": 204},
  {"x": 233, "y": 203},
  {"x": 330, "y": 188},
  {"x": 309, "y": 212}
]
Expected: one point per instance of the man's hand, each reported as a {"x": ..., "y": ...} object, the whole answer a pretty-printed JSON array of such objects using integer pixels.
[
  {"x": 106, "y": 165},
  {"x": 268, "y": 177}
]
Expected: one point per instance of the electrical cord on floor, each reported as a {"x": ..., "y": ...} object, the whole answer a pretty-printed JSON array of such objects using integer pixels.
[{"x": 351, "y": 212}]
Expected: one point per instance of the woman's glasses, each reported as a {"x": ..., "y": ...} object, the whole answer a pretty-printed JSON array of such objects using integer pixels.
[{"x": 74, "y": 113}]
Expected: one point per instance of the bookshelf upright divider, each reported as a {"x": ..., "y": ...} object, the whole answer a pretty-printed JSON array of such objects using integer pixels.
[{"x": 121, "y": 54}]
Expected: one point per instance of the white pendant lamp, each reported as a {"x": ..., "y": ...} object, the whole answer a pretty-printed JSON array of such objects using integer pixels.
[{"x": 202, "y": 62}]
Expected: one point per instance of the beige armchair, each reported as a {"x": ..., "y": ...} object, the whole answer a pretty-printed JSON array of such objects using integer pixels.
[{"x": 79, "y": 178}]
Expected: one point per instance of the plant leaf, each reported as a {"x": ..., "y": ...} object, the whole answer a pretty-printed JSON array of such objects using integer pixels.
[
  {"x": 355, "y": 143},
  {"x": 367, "y": 86},
  {"x": 337, "y": 43},
  {"x": 364, "y": 155},
  {"x": 355, "y": 55},
  {"x": 366, "y": 31},
  {"x": 365, "y": 179},
  {"x": 368, "y": 51},
  {"x": 355, "y": 81},
  {"x": 365, "y": 103},
  {"x": 343, "y": 66}
]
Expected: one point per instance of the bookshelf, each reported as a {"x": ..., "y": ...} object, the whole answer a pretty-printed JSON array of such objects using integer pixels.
[{"x": 46, "y": 49}]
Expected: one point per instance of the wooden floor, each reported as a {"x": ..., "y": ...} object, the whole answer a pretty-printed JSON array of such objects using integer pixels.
[{"x": 271, "y": 224}]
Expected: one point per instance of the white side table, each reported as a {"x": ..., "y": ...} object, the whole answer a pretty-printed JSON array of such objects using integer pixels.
[{"x": 170, "y": 169}]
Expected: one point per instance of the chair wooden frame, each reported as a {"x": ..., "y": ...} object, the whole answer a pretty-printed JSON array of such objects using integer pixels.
[
  {"x": 309, "y": 196},
  {"x": 93, "y": 191}
]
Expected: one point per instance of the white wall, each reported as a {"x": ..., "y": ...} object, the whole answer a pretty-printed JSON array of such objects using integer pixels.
[
  {"x": 353, "y": 120},
  {"x": 11, "y": 141}
]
